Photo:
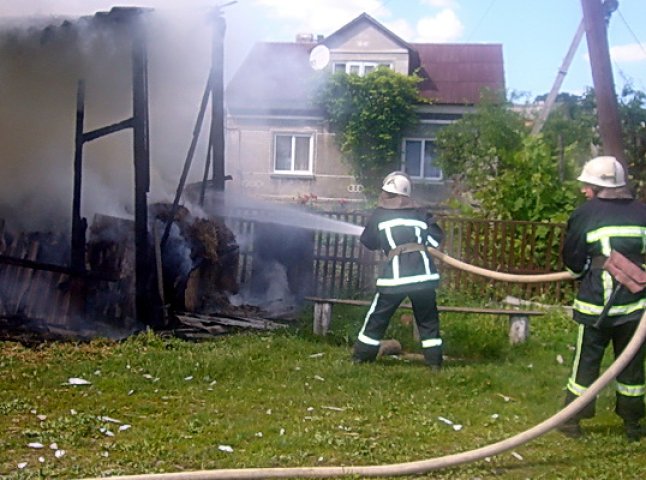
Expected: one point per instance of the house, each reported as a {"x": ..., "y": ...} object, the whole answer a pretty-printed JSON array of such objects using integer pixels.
[{"x": 278, "y": 145}]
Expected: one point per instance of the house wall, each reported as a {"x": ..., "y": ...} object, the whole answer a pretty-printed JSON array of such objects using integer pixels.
[
  {"x": 250, "y": 155},
  {"x": 367, "y": 44}
]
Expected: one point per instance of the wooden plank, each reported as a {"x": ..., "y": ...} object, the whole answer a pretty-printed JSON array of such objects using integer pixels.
[
  {"x": 255, "y": 323},
  {"x": 441, "y": 308}
]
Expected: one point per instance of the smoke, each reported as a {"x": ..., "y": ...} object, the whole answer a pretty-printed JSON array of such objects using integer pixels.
[{"x": 39, "y": 70}]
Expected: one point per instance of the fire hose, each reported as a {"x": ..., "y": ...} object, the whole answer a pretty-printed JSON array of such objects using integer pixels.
[{"x": 423, "y": 466}]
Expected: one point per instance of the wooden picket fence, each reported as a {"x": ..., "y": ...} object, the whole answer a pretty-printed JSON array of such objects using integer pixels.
[{"x": 343, "y": 268}]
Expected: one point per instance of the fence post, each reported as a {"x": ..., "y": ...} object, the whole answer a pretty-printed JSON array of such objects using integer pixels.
[
  {"x": 518, "y": 328},
  {"x": 322, "y": 317}
]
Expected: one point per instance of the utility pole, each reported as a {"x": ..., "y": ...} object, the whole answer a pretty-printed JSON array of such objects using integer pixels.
[
  {"x": 594, "y": 17},
  {"x": 551, "y": 97}
]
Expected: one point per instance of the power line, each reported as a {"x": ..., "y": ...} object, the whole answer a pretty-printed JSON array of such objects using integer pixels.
[
  {"x": 484, "y": 15},
  {"x": 631, "y": 31},
  {"x": 625, "y": 78}
]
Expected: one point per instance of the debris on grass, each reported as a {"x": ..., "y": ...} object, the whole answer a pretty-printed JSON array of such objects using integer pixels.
[
  {"x": 59, "y": 453},
  {"x": 559, "y": 359},
  {"x": 336, "y": 409},
  {"x": 124, "y": 427},
  {"x": 225, "y": 448},
  {"x": 36, "y": 445},
  {"x": 77, "y": 381},
  {"x": 317, "y": 355},
  {"x": 109, "y": 419},
  {"x": 456, "y": 426},
  {"x": 22, "y": 465},
  {"x": 517, "y": 456}
]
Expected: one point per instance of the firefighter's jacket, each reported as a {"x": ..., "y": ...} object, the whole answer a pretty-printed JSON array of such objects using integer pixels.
[
  {"x": 404, "y": 234},
  {"x": 595, "y": 229}
]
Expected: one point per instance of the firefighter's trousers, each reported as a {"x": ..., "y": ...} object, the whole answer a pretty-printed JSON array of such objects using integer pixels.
[
  {"x": 630, "y": 384},
  {"x": 381, "y": 310}
]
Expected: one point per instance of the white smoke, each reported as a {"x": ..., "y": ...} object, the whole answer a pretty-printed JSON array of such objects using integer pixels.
[{"x": 39, "y": 71}]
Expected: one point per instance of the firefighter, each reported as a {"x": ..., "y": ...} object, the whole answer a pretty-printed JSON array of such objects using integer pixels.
[
  {"x": 610, "y": 219},
  {"x": 403, "y": 231}
]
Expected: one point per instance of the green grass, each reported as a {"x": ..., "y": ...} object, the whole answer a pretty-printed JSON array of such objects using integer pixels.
[{"x": 292, "y": 399}]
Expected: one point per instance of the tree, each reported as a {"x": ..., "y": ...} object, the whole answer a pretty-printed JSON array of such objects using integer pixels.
[
  {"x": 510, "y": 175},
  {"x": 632, "y": 110},
  {"x": 369, "y": 115}
]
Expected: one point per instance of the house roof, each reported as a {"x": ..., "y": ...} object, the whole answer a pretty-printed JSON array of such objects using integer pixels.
[
  {"x": 278, "y": 76},
  {"x": 275, "y": 77},
  {"x": 457, "y": 73}
]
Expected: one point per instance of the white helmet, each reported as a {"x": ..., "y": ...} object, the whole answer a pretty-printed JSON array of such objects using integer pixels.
[
  {"x": 398, "y": 183},
  {"x": 603, "y": 172}
]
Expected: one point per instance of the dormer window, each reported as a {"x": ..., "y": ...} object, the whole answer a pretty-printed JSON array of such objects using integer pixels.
[{"x": 359, "y": 68}]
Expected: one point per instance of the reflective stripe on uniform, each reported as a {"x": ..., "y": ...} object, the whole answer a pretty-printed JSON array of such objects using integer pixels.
[
  {"x": 591, "y": 309},
  {"x": 575, "y": 388},
  {"x": 631, "y": 390},
  {"x": 362, "y": 337},
  {"x": 432, "y": 241},
  {"x": 604, "y": 233},
  {"x": 432, "y": 342},
  {"x": 572, "y": 386},
  {"x": 402, "y": 222},
  {"x": 606, "y": 280},
  {"x": 394, "y": 282}
]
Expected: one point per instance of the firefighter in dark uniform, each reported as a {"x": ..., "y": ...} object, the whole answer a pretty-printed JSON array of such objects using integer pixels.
[
  {"x": 610, "y": 219},
  {"x": 403, "y": 230}
]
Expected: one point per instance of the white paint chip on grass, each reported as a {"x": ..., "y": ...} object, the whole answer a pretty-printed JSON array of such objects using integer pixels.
[{"x": 77, "y": 381}]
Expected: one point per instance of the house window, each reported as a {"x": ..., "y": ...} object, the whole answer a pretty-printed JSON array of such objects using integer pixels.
[
  {"x": 293, "y": 153},
  {"x": 419, "y": 159},
  {"x": 359, "y": 68}
]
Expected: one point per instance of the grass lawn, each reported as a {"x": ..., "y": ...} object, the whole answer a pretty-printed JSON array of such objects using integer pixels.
[{"x": 288, "y": 398}]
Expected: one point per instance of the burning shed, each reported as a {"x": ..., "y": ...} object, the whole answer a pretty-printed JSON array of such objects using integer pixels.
[{"x": 114, "y": 67}]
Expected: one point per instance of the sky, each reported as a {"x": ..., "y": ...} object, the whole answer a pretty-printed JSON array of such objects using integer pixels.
[{"x": 535, "y": 34}]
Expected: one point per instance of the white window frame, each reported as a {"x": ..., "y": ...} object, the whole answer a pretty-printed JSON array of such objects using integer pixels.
[
  {"x": 420, "y": 177},
  {"x": 293, "y": 170},
  {"x": 361, "y": 66}
]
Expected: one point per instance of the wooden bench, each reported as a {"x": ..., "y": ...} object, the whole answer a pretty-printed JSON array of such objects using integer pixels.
[{"x": 518, "y": 319}]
